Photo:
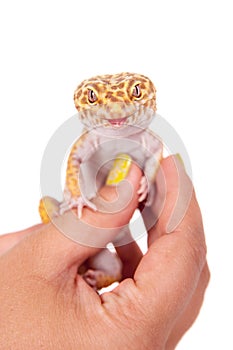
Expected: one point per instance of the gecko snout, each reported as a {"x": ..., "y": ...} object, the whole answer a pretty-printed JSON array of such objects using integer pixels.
[{"x": 117, "y": 110}]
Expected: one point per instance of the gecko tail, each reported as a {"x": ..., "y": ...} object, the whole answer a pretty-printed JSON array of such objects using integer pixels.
[{"x": 48, "y": 208}]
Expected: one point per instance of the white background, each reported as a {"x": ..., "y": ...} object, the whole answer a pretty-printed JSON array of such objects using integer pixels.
[{"x": 185, "y": 47}]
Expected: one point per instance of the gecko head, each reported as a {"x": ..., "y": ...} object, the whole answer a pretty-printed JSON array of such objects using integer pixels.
[{"x": 116, "y": 101}]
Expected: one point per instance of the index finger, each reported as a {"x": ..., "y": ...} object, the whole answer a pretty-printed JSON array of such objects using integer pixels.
[
  {"x": 9, "y": 240},
  {"x": 49, "y": 252}
]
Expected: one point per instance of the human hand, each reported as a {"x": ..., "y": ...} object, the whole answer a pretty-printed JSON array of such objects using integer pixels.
[{"x": 45, "y": 304}]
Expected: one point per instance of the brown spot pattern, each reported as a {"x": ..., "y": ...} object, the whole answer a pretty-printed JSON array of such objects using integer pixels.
[{"x": 115, "y": 88}]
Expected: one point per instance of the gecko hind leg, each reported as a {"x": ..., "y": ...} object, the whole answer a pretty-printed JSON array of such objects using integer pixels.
[
  {"x": 102, "y": 269},
  {"x": 98, "y": 279}
]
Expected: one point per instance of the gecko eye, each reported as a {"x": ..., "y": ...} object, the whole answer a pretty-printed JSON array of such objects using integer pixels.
[
  {"x": 137, "y": 91},
  {"x": 91, "y": 96}
]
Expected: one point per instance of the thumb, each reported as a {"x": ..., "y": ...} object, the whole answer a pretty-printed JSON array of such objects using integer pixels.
[
  {"x": 49, "y": 251},
  {"x": 174, "y": 261}
]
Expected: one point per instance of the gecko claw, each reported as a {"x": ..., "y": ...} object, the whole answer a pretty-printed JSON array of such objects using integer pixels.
[
  {"x": 143, "y": 189},
  {"x": 142, "y": 197},
  {"x": 78, "y": 203},
  {"x": 80, "y": 210}
]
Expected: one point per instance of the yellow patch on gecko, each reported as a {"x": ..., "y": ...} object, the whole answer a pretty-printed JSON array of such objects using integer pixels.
[{"x": 119, "y": 170}]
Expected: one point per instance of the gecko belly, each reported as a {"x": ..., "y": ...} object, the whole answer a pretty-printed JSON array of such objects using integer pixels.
[{"x": 93, "y": 171}]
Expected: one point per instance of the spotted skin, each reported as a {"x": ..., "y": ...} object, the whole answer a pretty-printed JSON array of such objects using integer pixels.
[{"x": 115, "y": 99}]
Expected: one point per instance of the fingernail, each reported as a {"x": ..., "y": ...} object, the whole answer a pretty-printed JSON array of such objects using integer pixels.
[{"x": 120, "y": 169}]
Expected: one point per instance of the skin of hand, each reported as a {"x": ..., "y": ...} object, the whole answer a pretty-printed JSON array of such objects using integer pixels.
[{"x": 44, "y": 304}]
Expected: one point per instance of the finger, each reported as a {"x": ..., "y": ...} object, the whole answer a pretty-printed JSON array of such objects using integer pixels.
[
  {"x": 9, "y": 240},
  {"x": 170, "y": 271},
  {"x": 177, "y": 258},
  {"x": 50, "y": 252},
  {"x": 187, "y": 318},
  {"x": 174, "y": 191}
]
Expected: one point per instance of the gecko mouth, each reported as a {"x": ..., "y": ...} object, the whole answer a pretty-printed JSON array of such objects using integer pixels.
[{"x": 117, "y": 122}]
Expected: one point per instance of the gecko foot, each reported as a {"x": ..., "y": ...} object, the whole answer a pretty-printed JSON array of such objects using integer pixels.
[
  {"x": 93, "y": 278},
  {"x": 143, "y": 189},
  {"x": 98, "y": 279},
  {"x": 78, "y": 203}
]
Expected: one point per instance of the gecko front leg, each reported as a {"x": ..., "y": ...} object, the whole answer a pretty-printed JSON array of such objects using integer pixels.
[
  {"x": 78, "y": 203},
  {"x": 82, "y": 150}
]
